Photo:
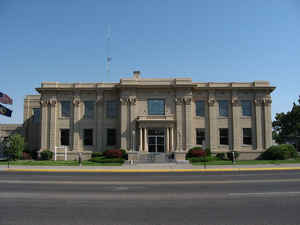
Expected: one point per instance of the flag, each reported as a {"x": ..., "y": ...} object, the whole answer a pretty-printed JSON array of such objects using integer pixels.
[
  {"x": 5, "y": 99},
  {"x": 5, "y": 111}
]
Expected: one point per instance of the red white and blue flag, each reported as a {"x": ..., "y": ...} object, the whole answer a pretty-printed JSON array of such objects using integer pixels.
[{"x": 5, "y": 99}]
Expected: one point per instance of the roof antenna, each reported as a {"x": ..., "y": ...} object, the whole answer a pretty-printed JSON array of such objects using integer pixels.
[{"x": 108, "y": 57}]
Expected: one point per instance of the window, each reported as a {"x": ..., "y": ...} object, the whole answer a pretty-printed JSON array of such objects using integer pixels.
[
  {"x": 223, "y": 136},
  {"x": 88, "y": 137},
  {"x": 200, "y": 136},
  {"x": 247, "y": 136},
  {"x": 36, "y": 114},
  {"x": 65, "y": 108},
  {"x": 111, "y": 136},
  {"x": 89, "y": 109},
  {"x": 65, "y": 137},
  {"x": 200, "y": 108},
  {"x": 246, "y": 108},
  {"x": 156, "y": 107},
  {"x": 111, "y": 109},
  {"x": 223, "y": 108}
]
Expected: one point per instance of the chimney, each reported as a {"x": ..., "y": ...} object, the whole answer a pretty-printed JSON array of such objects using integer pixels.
[{"x": 136, "y": 74}]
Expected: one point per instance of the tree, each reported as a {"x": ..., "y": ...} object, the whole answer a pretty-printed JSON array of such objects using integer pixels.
[
  {"x": 14, "y": 146},
  {"x": 287, "y": 125}
]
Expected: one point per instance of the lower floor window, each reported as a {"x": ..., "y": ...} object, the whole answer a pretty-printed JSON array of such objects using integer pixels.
[
  {"x": 223, "y": 136},
  {"x": 64, "y": 137},
  {"x": 247, "y": 136},
  {"x": 200, "y": 136},
  {"x": 88, "y": 136},
  {"x": 111, "y": 136}
]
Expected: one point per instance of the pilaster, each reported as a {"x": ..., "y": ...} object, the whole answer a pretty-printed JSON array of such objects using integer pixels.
[
  {"x": 179, "y": 117},
  {"x": 258, "y": 123},
  {"x": 99, "y": 121},
  {"x": 76, "y": 129},
  {"x": 53, "y": 124},
  {"x": 44, "y": 124},
  {"x": 188, "y": 122},
  {"x": 132, "y": 105},
  {"x": 124, "y": 122},
  {"x": 236, "y": 123},
  {"x": 212, "y": 121},
  {"x": 268, "y": 121}
]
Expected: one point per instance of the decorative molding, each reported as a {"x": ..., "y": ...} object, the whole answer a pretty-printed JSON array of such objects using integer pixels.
[
  {"x": 235, "y": 101},
  {"x": 132, "y": 100},
  {"x": 187, "y": 100},
  {"x": 53, "y": 102},
  {"x": 267, "y": 100},
  {"x": 124, "y": 100},
  {"x": 258, "y": 101},
  {"x": 178, "y": 101},
  {"x": 76, "y": 101},
  {"x": 44, "y": 102},
  {"x": 211, "y": 101}
]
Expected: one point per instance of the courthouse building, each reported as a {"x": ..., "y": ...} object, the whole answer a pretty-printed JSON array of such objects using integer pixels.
[{"x": 147, "y": 116}]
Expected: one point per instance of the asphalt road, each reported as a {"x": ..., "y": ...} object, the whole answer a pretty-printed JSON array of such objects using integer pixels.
[{"x": 227, "y": 198}]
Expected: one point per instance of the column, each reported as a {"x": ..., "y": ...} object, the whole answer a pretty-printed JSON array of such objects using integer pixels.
[
  {"x": 212, "y": 122},
  {"x": 167, "y": 141},
  {"x": 52, "y": 124},
  {"x": 132, "y": 103},
  {"x": 141, "y": 139},
  {"x": 235, "y": 124},
  {"x": 99, "y": 122},
  {"x": 268, "y": 122},
  {"x": 188, "y": 123},
  {"x": 124, "y": 123},
  {"x": 258, "y": 124},
  {"x": 145, "y": 140},
  {"x": 44, "y": 125},
  {"x": 179, "y": 102},
  {"x": 76, "y": 130},
  {"x": 172, "y": 139}
]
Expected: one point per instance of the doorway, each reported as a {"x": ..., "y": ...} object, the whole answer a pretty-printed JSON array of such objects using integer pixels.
[{"x": 156, "y": 140}]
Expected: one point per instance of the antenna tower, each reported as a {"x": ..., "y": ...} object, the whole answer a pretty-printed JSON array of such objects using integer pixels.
[{"x": 108, "y": 56}]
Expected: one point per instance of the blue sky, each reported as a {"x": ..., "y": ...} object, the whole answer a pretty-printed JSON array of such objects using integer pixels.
[{"x": 208, "y": 40}]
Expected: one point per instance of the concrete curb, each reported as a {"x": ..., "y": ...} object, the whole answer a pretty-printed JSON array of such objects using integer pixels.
[{"x": 151, "y": 170}]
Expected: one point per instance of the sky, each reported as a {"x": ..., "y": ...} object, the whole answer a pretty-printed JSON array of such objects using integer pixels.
[{"x": 207, "y": 40}]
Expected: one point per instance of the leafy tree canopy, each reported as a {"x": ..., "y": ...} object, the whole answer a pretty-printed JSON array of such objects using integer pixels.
[
  {"x": 14, "y": 146},
  {"x": 287, "y": 125}
]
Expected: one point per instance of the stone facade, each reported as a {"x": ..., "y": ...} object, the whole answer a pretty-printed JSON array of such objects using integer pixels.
[{"x": 173, "y": 130}]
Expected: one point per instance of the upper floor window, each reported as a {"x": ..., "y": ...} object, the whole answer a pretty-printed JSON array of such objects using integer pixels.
[
  {"x": 36, "y": 114},
  {"x": 111, "y": 109},
  {"x": 200, "y": 136},
  {"x": 156, "y": 107},
  {"x": 223, "y": 108},
  {"x": 223, "y": 132},
  {"x": 65, "y": 137},
  {"x": 65, "y": 108},
  {"x": 247, "y": 136},
  {"x": 246, "y": 108},
  {"x": 89, "y": 109},
  {"x": 88, "y": 136},
  {"x": 111, "y": 137},
  {"x": 200, "y": 108}
]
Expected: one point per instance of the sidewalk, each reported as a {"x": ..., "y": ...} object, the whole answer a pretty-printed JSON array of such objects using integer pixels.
[{"x": 168, "y": 167}]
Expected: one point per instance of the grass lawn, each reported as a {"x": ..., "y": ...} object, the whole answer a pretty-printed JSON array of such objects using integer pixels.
[
  {"x": 55, "y": 163},
  {"x": 247, "y": 162}
]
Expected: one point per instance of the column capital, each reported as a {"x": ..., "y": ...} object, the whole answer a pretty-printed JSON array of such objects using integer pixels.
[
  {"x": 76, "y": 101},
  {"x": 187, "y": 100},
  {"x": 211, "y": 101},
  {"x": 267, "y": 100},
  {"x": 131, "y": 100},
  {"x": 235, "y": 101},
  {"x": 124, "y": 100},
  {"x": 53, "y": 102},
  {"x": 179, "y": 101}
]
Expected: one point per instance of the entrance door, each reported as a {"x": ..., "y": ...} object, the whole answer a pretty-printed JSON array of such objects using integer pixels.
[{"x": 156, "y": 140}]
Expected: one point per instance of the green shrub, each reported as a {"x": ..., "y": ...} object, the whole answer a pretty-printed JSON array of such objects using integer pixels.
[
  {"x": 221, "y": 156},
  {"x": 46, "y": 155},
  {"x": 279, "y": 152},
  {"x": 208, "y": 151},
  {"x": 202, "y": 159},
  {"x": 106, "y": 160},
  {"x": 230, "y": 155},
  {"x": 290, "y": 149},
  {"x": 124, "y": 154},
  {"x": 97, "y": 154}
]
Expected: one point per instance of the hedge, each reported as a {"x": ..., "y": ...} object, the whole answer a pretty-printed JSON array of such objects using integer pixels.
[
  {"x": 279, "y": 152},
  {"x": 46, "y": 155},
  {"x": 106, "y": 160},
  {"x": 202, "y": 159}
]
